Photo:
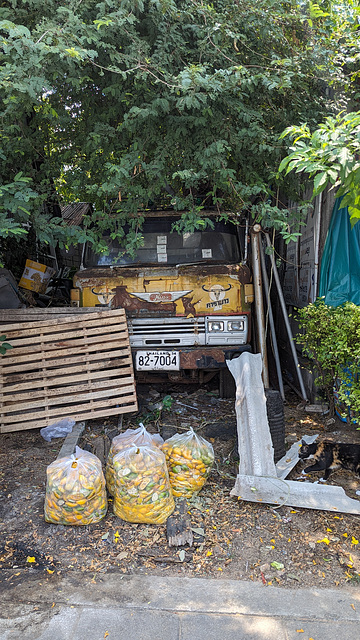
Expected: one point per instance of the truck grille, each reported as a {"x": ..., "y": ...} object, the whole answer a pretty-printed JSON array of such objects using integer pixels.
[{"x": 166, "y": 332}]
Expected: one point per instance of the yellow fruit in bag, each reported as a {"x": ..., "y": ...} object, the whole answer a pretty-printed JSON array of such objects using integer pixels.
[
  {"x": 75, "y": 490},
  {"x": 142, "y": 487},
  {"x": 123, "y": 441},
  {"x": 189, "y": 459}
]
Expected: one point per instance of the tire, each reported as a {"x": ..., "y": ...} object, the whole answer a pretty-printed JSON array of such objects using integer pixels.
[
  {"x": 276, "y": 420},
  {"x": 227, "y": 388}
]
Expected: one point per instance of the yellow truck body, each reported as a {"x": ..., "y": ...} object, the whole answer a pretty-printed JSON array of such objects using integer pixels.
[{"x": 184, "y": 319}]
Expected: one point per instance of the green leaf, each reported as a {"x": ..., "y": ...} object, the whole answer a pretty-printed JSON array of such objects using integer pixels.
[{"x": 320, "y": 182}]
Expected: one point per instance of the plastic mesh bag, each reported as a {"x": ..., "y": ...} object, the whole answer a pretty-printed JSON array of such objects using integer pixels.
[
  {"x": 142, "y": 489},
  {"x": 75, "y": 490},
  {"x": 189, "y": 458},
  {"x": 130, "y": 437}
]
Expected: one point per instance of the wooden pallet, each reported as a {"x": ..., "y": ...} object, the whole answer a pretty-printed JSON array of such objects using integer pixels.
[
  {"x": 77, "y": 366},
  {"x": 32, "y": 314}
]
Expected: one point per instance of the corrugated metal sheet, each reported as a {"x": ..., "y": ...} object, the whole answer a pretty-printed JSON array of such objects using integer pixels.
[{"x": 74, "y": 213}]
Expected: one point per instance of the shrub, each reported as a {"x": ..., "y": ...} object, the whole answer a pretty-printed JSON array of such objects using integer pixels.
[{"x": 330, "y": 337}]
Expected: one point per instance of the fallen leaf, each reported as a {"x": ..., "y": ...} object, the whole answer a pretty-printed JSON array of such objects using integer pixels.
[
  {"x": 354, "y": 540},
  {"x": 326, "y": 540},
  {"x": 345, "y": 535},
  {"x": 49, "y": 570},
  {"x": 299, "y": 630},
  {"x": 353, "y": 606},
  {"x": 106, "y": 634},
  {"x": 277, "y": 565},
  {"x": 30, "y": 559}
]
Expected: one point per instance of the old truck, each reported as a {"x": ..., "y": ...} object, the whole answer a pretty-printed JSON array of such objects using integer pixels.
[{"x": 187, "y": 298}]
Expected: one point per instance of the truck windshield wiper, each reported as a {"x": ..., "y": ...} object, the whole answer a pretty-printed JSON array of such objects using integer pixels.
[{"x": 191, "y": 264}]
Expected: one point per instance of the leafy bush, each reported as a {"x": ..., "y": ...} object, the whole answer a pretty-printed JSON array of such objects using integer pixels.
[
  {"x": 330, "y": 336},
  {"x": 4, "y": 346}
]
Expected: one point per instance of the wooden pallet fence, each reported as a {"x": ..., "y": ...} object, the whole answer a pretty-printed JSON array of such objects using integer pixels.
[{"x": 73, "y": 365}]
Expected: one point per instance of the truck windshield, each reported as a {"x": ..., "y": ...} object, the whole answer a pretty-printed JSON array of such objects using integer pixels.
[{"x": 161, "y": 245}]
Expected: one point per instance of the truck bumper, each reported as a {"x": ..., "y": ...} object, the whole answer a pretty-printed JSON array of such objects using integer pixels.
[{"x": 206, "y": 358}]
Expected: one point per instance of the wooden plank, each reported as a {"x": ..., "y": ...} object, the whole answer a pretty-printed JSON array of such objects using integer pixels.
[
  {"x": 57, "y": 402},
  {"x": 60, "y": 362},
  {"x": 84, "y": 416},
  {"x": 58, "y": 413},
  {"x": 51, "y": 326},
  {"x": 31, "y": 312},
  {"x": 50, "y": 346},
  {"x": 178, "y": 526},
  {"x": 69, "y": 334},
  {"x": 15, "y": 390},
  {"x": 31, "y": 380},
  {"x": 51, "y": 357},
  {"x": 62, "y": 394},
  {"x": 60, "y": 367}
]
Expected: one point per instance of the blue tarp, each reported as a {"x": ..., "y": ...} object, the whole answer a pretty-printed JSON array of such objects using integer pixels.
[{"x": 340, "y": 264}]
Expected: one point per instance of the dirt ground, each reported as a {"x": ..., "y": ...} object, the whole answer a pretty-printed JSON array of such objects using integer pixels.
[{"x": 232, "y": 538}]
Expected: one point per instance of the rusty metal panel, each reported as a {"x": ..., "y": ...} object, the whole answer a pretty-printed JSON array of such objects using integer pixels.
[
  {"x": 189, "y": 290},
  {"x": 208, "y": 357}
]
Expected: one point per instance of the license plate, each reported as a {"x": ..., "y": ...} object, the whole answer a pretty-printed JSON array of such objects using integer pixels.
[{"x": 157, "y": 361}]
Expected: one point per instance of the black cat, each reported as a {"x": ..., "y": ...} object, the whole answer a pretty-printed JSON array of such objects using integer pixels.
[{"x": 330, "y": 456}]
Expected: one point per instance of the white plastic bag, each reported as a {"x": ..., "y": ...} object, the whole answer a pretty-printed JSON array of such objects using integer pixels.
[
  {"x": 142, "y": 487},
  {"x": 57, "y": 429},
  {"x": 130, "y": 437},
  {"x": 189, "y": 458},
  {"x": 75, "y": 490}
]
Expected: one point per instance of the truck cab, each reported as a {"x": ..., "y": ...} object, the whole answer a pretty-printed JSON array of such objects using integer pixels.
[{"x": 187, "y": 296}]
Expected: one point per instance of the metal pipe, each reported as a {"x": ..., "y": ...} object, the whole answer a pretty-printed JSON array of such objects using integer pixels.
[
  {"x": 246, "y": 238},
  {"x": 286, "y": 320},
  {"x": 271, "y": 321},
  {"x": 259, "y": 302},
  {"x": 317, "y": 230}
]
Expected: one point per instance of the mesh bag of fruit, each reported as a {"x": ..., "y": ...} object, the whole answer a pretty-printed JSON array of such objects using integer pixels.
[
  {"x": 75, "y": 490},
  {"x": 142, "y": 487},
  {"x": 123, "y": 441},
  {"x": 189, "y": 459}
]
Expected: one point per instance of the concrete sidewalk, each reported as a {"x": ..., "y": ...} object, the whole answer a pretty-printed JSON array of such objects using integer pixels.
[{"x": 157, "y": 608}]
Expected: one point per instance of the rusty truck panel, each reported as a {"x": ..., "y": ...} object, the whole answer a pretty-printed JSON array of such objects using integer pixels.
[{"x": 169, "y": 291}]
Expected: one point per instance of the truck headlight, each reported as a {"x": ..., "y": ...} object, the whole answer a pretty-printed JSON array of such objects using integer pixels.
[
  {"x": 215, "y": 325},
  {"x": 235, "y": 325}
]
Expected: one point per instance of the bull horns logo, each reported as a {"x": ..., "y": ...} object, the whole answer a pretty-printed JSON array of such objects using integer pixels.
[
  {"x": 105, "y": 297},
  {"x": 217, "y": 291}
]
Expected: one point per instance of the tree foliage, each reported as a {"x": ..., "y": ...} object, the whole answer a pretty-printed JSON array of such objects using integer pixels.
[
  {"x": 329, "y": 153},
  {"x": 175, "y": 102}
]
